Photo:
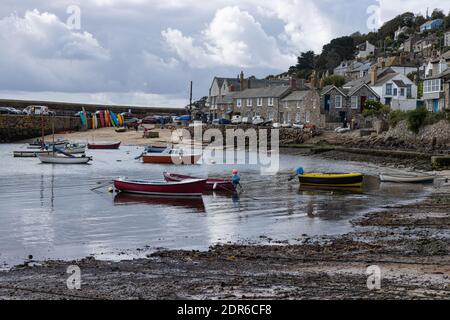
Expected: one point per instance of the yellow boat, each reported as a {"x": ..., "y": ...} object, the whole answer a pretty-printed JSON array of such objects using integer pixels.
[{"x": 331, "y": 179}]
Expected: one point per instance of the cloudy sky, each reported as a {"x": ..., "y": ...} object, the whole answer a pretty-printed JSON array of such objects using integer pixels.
[{"x": 145, "y": 52}]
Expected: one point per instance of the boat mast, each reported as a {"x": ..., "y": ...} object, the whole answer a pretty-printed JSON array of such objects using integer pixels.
[
  {"x": 53, "y": 133},
  {"x": 42, "y": 130}
]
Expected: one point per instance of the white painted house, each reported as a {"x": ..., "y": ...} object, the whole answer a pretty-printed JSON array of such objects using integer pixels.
[
  {"x": 394, "y": 89},
  {"x": 365, "y": 49}
]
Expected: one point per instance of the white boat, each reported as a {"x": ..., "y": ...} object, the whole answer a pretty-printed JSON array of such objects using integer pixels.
[
  {"x": 61, "y": 159},
  {"x": 74, "y": 148},
  {"x": 406, "y": 178}
]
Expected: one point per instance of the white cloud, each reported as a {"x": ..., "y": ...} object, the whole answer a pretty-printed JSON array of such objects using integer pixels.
[
  {"x": 233, "y": 38},
  {"x": 305, "y": 25},
  {"x": 40, "y": 50}
]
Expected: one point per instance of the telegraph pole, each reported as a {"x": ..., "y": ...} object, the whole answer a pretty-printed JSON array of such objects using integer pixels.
[{"x": 190, "y": 100}]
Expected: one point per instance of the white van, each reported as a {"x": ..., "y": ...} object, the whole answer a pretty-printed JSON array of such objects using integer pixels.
[{"x": 236, "y": 120}]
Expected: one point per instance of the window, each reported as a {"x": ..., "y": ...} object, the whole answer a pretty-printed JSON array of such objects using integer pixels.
[
  {"x": 409, "y": 91},
  {"x": 270, "y": 115},
  {"x": 354, "y": 102},
  {"x": 285, "y": 104},
  {"x": 434, "y": 85},
  {"x": 249, "y": 102},
  {"x": 338, "y": 102},
  {"x": 394, "y": 92},
  {"x": 270, "y": 102},
  {"x": 299, "y": 104},
  {"x": 307, "y": 117},
  {"x": 239, "y": 103},
  {"x": 298, "y": 117},
  {"x": 402, "y": 92},
  {"x": 259, "y": 102},
  {"x": 389, "y": 89}
]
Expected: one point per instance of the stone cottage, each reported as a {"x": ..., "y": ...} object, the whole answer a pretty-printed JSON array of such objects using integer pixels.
[
  {"x": 338, "y": 104},
  {"x": 301, "y": 106}
]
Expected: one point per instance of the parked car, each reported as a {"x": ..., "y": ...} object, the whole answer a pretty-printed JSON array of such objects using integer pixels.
[
  {"x": 267, "y": 123},
  {"x": 196, "y": 123},
  {"x": 286, "y": 125},
  {"x": 183, "y": 118},
  {"x": 150, "y": 120},
  {"x": 132, "y": 123},
  {"x": 276, "y": 125},
  {"x": 257, "y": 120},
  {"x": 236, "y": 119},
  {"x": 298, "y": 125},
  {"x": 221, "y": 121},
  {"x": 38, "y": 110},
  {"x": 9, "y": 110},
  {"x": 246, "y": 120}
]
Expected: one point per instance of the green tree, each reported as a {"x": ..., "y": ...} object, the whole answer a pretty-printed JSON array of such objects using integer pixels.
[
  {"x": 305, "y": 65},
  {"x": 338, "y": 81},
  {"x": 437, "y": 14}
]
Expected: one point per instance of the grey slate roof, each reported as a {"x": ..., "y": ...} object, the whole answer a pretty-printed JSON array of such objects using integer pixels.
[
  {"x": 296, "y": 95},
  {"x": 366, "y": 79},
  {"x": 268, "y": 92},
  {"x": 400, "y": 83}
]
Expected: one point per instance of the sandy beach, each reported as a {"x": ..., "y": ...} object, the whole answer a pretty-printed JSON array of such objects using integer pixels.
[{"x": 130, "y": 137}]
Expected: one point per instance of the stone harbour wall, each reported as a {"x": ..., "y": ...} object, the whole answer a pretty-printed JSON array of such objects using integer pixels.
[
  {"x": 19, "y": 127},
  {"x": 437, "y": 134},
  {"x": 286, "y": 135}
]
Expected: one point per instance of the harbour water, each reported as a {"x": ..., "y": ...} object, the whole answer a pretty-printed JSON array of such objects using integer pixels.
[{"x": 50, "y": 211}]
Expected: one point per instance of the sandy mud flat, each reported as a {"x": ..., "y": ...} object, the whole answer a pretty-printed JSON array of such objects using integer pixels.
[{"x": 410, "y": 244}]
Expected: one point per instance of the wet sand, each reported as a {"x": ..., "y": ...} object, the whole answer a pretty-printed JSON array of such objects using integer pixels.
[
  {"x": 414, "y": 258},
  {"x": 130, "y": 137}
]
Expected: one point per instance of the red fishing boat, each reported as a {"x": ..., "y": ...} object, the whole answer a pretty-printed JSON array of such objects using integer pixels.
[
  {"x": 187, "y": 188},
  {"x": 104, "y": 145},
  {"x": 171, "y": 156},
  {"x": 211, "y": 184}
]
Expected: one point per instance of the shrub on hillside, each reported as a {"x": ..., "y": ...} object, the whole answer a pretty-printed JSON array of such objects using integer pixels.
[
  {"x": 416, "y": 119},
  {"x": 374, "y": 108},
  {"x": 395, "y": 116}
]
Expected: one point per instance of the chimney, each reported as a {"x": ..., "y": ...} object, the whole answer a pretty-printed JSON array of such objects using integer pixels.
[
  {"x": 373, "y": 75},
  {"x": 232, "y": 88},
  {"x": 241, "y": 80},
  {"x": 293, "y": 83}
]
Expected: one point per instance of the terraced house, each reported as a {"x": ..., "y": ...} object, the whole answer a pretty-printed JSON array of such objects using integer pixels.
[
  {"x": 436, "y": 87},
  {"x": 296, "y": 103}
]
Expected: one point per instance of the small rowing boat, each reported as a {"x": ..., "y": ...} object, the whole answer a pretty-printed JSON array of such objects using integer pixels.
[
  {"x": 104, "y": 145},
  {"x": 62, "y": 159},
  {"x": 211, "y": 184},
  {"x": 171, "y": 156},
  {"x": 30, "y": 153},
  {"x": 186, "y": 188},
  {"x": 406, "y": 178},
  {"x": 331, "y": 179},
  {"x": 155, "y": 149}
]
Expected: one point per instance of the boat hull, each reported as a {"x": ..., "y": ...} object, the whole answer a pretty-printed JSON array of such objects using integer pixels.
[
  {"x": 171, "y": 159},
  {"x": 331, "y": 180},
  {"x": 115, "y": 145},
  {"x": 30, "y": 154},
  {"x": 211, "y": 184},
  {"x": 63, "y": 160},
  {"x": 406, "y": 179},
  {"x": 188, "y": 188}
]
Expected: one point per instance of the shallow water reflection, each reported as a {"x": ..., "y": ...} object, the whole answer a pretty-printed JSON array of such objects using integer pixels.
[{"x": 50, "y": 211}]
